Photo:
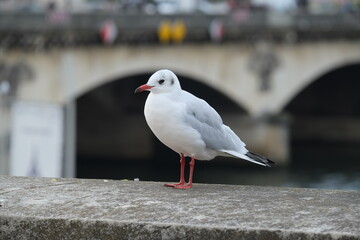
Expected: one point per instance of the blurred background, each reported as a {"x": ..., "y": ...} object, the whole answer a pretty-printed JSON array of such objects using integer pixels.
[{"x": 284, "y": 75}]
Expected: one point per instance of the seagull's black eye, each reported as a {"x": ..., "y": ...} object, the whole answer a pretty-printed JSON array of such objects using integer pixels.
[{"x": 161, "y": 81}]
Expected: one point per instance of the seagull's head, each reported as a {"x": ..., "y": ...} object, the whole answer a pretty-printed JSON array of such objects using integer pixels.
[{"x": 161, "y": 81}]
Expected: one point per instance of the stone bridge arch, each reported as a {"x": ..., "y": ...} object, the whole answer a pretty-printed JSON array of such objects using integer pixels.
[
  {"x": 224, "y": 68},
  {"x": 112, "y": 134},
  {"x": 122, "y": 62},
  {"x": 63, "y": 74},
  {"x": 305, "y": 70},
  {"x": 316, "y": 75},
  {"x": 325, "y": 121}
]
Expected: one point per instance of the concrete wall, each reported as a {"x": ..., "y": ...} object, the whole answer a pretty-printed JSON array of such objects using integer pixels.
[{"x": 45, "y": 208}]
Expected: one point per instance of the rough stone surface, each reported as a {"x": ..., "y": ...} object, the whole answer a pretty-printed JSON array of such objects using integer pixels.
[{"x": 45, "y": 208}]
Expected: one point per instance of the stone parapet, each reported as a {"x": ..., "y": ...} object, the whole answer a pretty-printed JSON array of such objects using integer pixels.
[{"x": 45, "y": 208}]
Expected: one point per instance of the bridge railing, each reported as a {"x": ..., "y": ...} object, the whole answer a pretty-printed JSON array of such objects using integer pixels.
[{"x": 63, "y": 28}]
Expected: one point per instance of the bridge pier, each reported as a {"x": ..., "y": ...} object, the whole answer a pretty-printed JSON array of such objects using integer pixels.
[
  {"x": 4, "y": 139},
  {"x": 268, "y": 135}
]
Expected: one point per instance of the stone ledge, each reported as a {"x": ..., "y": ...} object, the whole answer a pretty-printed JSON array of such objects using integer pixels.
[{"x": 44, "y": 208}]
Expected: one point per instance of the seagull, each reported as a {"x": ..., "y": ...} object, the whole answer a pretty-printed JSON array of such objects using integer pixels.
[{"x": 190, "y": 126}]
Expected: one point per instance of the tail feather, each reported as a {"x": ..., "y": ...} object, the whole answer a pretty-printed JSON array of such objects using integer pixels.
[
  {"x": 259, "y": 158},
  {"x": 250, "y": 156}
]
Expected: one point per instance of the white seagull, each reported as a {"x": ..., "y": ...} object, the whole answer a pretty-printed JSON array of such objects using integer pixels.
[{"x": 189, "y": 125}]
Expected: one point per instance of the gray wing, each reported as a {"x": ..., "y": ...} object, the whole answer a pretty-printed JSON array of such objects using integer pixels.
[{"x": 204, "y": 119}]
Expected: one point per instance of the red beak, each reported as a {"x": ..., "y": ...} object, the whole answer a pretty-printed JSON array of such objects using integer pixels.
[{"x": 143, "y": 88}]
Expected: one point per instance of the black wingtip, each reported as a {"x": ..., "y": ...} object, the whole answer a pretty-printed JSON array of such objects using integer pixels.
[{"x": 259, "y": 158}]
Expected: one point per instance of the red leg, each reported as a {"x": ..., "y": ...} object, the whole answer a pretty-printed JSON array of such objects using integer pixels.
[
  {"x": 189, "y": 185},
  {"x": 182, "y": 174}
]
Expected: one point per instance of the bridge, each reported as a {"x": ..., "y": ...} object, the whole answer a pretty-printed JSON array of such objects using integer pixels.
[
  {"x": 226, "y": 68},
  {"x": 258, "y": 73}
]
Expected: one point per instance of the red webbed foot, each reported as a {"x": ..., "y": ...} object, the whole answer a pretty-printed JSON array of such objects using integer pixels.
[
  {"x": 174, "y": 185},
  {"x": 187, "y": 186}
]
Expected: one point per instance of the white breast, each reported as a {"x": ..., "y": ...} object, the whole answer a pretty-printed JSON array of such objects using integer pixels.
[{"x": 165, "y": 118}]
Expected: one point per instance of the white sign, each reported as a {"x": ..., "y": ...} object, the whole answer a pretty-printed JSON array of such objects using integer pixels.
[{"x": 36, "y": 139}]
